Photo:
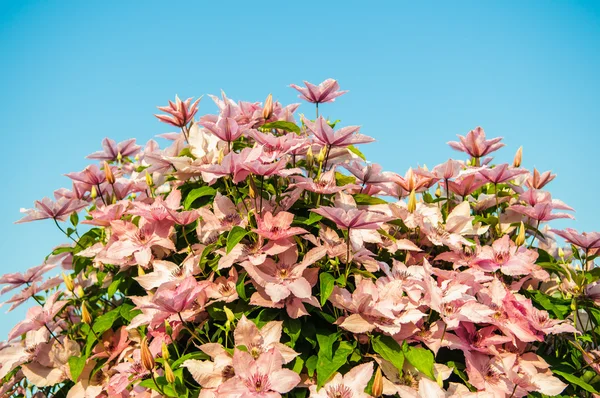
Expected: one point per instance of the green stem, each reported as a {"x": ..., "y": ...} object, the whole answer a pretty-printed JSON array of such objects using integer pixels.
[{"x": 67, "y": 235}]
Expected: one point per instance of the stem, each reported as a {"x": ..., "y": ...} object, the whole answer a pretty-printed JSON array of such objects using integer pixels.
[
  {"x": 156, "y": 384},
  {"x": 101, "y": 194},
  {"x": 317, "y": 111},
  {"x": 185, "y": 132},
  {"x": 326, "y": 157},
  {"x": 262, "y": 183},
  {"x": 67, "y": 235},
  {"x": 188, "y": 329},
  {"x": 447, "y": 197}
]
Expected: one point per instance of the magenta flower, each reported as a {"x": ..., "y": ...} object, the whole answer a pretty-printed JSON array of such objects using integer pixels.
[
  {"x": 343, "y": 137},
  {"x": 475, "y": 143},
  {"x": 277, "y": 227},
  {"x": 585, "y": 240},
  {"x": 113, "y": 151},
  {"x": 181, "y": 112},
  {"x": 327, "y": 91},
  {"x": 260, "y": 378},
  {"x": 46, "y": 208}
]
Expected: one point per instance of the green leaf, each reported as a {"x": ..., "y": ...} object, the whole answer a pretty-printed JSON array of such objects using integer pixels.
[
  {"x": 421, "y": 358},
  {"x": 355, "y": 151},
  {"x": 326, "y": 284},
  {"x": 298, "y": 365},
  {"x": 113, "y": 287},
  {"x": 326, "y": 340},
  {"x": 235, "y": 236},
  {"x": 311, "y": 365},
  {"x": 195, "y": 194},
  {"x": 389, "y": 350},
  {"x": 327, "y": 367},
  {"x": 282, "y": 125},
  {"x": 192, "y": 355},
  {"x": 105, "y": 322},
  {"x": 363, "y": 199},
  {"x": 241, "y": 287},
  {"x": 74, "y": 218},
  {"x": 76, "y": 365},
  {"x": 342, "y": 180},
  {"x": 127, "y": 312},
  {"x": 576, "y": 380},
  {"x": 292, "y": 327}
]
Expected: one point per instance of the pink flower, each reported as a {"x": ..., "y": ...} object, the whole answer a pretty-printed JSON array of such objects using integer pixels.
[
  {"x": 324, "y": 184},
  {"x": 466, "y": 184},
  {"x": 587, "y": 241},
  {"x": 259, "y": 341},
  {"x": 260, "y": 378},
  {"x": 112, "y": 344},
  {"x": 113, "y": 151},
  {"x": 46, "y": 208},
  {"x": 327, "y": 91},
  {"x": 540, "y": 211},
  {"x": 277, "y": 227},
  {"x": 343, "y": 137},
  {"x": 509, "y": 258},
  {"x": 501, "y": 173},
  {"x": 346, "y": 215},
  {"x": 14, "y": 280},
  {"x": 181, "y": 112},
  {"x": 413, "y": 181},
  {"x": 350, "y": 385},
  {"x": 475, "y": 143},
  {"x": 39, "y": 317},
  {"x": 538, "y": 181}
]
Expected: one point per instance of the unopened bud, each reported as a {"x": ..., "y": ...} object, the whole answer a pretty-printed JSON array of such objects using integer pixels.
[
  {"x": 85, "y": 314},
  {"x": 165, "y": 351},
  {"x": 518, "y": 157},
  {"x": 68, "y": 282},
  {"x": 110, "y": 177},
  {"x": 229, "y": 313},
  {"x": 120, "y": 157},
  {"x": 168, "y": 328},
  {"x": 141, "y": 270},
  {"x": 149, "y": 180},
  {"x": 93, "y": 192},
  {"x": 268, "y": 108},
  {"x": 377, "y": 388},
  {"x": 520, "y": 239},
  {"x": 321, "y": 156},
  {"x": 561, "y": 253},
  {"x": 438, "y": 192},
  {"x": 220, "y": 157},
  {"x": 79, "y": 291},
  {"x": 252, "y": 188},
  {"x": 169, "y": 373},
  {"x": 146, "y": 355},
  {"x": 309, "y": 157},
  {"x": 412, "y": 201}
]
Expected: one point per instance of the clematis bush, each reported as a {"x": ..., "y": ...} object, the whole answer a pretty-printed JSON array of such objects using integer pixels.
[{"x": 260, "y": 255}]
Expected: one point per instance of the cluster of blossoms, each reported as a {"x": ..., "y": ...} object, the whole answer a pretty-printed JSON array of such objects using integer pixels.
[{"x": 260, "y": 255}]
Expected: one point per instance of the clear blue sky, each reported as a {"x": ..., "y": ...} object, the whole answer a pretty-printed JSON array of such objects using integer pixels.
[{"x": 73, "y": 72}]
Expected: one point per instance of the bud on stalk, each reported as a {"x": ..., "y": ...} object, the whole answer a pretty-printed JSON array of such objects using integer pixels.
[
  {"x": 520, "y": 239},
  {"x": 268, "y": 108},
  {"x": 169, "y": 373},
  {"x": 85, "y": 314},
  {"x": 110, "y": 177},
  {"x": 68, "y": 282},
  {"x": 438, "y": 192},
  {"x": 377, "y": 388},
  {"x": 146, "y": 355},
  {"x": 518, "y": 157},
  {"x": 412, "y": 201},
  {"x": 165, "y": 351}
]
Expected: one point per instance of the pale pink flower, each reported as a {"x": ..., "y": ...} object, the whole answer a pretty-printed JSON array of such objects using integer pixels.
[
  {"x": 510, "y": 259},
  {"x": 369, "y": 173},
  {"x": 413, "y": 181},
  {"x": 113, "y": 151},
  {"x": 181, "y": 112},
  {"x": 324, "y": 134},
  {"x": 17, "y": 279},
  {"x": 39, "y": 317},
  {"x": 466, "y": 184},
  {"x": 52, "y": 364},
  {"x": 350, "y": 385},
  {"x": 104, "y": 215},
  {"x": 112, "y": 344},
  {"x": 538, "y": 181},
  {"x": 258, "y": 341},
  {"x": 475, "y": 143},
  {"x": 327, "y": 91},
  {"x": 324, "y": 184},
  {"x": 223, "y": 288},
  {"x": 260, "y": 378},
  {"x": 46, "y": 208},
  {"x": 585, "y": 240},
  {"x": 501, "y": 173},
  {"x": 277, "y": 227}
]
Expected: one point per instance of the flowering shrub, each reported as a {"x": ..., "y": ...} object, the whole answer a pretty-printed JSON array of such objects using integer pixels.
[{"x": 260, "y": 255}]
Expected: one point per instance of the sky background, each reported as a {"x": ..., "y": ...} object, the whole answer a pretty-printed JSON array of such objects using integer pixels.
[{"x": 74, "y": 72}]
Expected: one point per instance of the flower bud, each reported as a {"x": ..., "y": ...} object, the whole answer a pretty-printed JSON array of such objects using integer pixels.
[
  {"x": 146, "y": 355},
  {"x": 229, "y": 313},
  {"x": 120, "y": 157},
  {"x": 141, "y": 270},
  {"x": 309, "y": 157},
  {"x": 252, "y": 189},
  {"x": 79, "y": 291},
  {"x": 168, "y": 328},
  {"x": 412, "y": 201},
  {"x": 85, "y": 314},
  {"x": 520, "y": 239},
  {"x": 268, "y": 108},
  {"x": 438, "y": 192},
  {"x": 518, "y": 157},
  {"x": 377, "y": 388},
  {"x": 149, "y": 180},
  {"x": 68, "y": 282},
  {"x": 165, "y": 351},
  {"x": 220, "y": 157},
  {"x": 110, "y": 177},
  {"x": 169, "y": 373},
  {"x": 93, "y": 192},
  {"x": 321, "y": 156},
  {"x": 561, "y": 253}
]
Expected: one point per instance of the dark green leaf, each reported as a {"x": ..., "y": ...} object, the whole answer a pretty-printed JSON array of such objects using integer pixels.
[
  {"x": 327, "y": 367},
  {"x": 76, "y": 365},
  {"x": 235, "y": 236},
  {"x": 389, "y": 350},
  {"x": 362, "y": 199},
  {"x": 576, "y": 380},
  {"x": 326, "y": 284},
  {"x": 195, "y": 194},
  {"x": 282, "y": 125},
  {"x": 420, "y": 358}
]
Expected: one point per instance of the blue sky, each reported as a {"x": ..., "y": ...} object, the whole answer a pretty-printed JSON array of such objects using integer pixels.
[{"x": 74, "y": 72}]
